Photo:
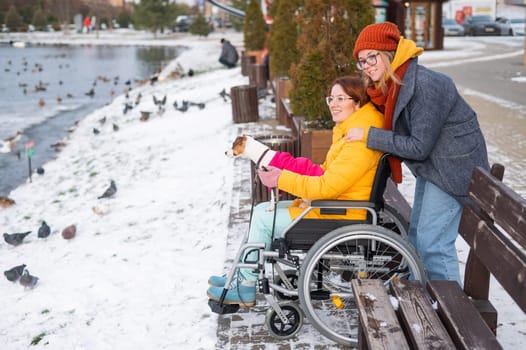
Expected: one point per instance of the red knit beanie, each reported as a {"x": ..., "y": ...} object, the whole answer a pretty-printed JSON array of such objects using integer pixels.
[{"x": 378, "y": 36}]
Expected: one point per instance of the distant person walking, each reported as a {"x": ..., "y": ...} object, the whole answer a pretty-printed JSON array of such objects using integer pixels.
[
  {"x": 229, "y": 55},
  {"x": 87, "y": 24}
]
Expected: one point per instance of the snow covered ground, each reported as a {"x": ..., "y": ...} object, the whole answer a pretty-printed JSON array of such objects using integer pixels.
[{"x": 135, "y": 275}]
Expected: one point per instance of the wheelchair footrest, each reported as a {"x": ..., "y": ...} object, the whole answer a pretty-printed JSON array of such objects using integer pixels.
[{"x": 222, "y": 309}]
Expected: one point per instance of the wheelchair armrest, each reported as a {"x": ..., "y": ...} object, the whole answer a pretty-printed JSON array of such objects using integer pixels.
[{"x": 341, "y": 204}]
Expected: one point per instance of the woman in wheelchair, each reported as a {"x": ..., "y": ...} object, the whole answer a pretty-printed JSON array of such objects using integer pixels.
[{"x": 349, "y": 171}]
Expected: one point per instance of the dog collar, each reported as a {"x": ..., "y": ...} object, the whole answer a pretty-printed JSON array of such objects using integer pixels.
[{"x": 261, "y": 158}]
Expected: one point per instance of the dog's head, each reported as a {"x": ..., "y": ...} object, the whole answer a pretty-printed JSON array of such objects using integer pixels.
[{"x": 238, "y": 147}]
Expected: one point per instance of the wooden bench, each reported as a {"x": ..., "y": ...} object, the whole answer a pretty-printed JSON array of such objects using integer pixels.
[{"x": 445, "y": 316}]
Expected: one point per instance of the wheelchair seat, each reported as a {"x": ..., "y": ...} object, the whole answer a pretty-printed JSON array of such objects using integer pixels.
[{"x": 305, "y": 232}]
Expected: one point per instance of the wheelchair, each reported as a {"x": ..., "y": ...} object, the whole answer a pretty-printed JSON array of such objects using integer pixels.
[{"x": 312, "y": 265}]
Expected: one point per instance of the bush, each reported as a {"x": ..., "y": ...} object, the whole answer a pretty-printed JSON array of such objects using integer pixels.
[
  {"x": 328, "y": 31},
  {"x": 254, "y": 29}
]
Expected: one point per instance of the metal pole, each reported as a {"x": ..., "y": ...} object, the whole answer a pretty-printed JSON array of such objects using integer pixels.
[{"x": 29, "y": 163}]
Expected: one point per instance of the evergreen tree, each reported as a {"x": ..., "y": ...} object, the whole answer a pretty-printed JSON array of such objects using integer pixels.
[
  {"x": 26, "y": 12},
  {"x": 154, "y": 15},
  {"x": 12, "y": 19},
  {"x": 199, "y": 26},
  {"x": 254, "y": 30},
  {"x": 39, "y": 20},
  {"x": 283, "y": 36},
  {"x": 273, "y": 9},
  {"x": 328, "y": 31},
  {"x": 237, "y": 22}
]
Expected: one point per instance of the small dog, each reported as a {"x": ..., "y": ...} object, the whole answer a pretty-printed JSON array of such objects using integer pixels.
[{"x": 247, "y": 147}]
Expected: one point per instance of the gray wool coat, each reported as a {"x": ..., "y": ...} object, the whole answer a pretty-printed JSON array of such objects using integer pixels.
[{"x": 435, "y": 132}]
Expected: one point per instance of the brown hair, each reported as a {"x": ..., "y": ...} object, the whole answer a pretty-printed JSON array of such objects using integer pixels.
[{"x": 353, "y": 86}]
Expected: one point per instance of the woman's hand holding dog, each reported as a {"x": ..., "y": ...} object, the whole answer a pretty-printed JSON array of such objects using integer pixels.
[{"x": 270, "y": 176}]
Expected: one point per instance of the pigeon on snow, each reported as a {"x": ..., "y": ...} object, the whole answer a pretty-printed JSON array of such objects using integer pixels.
[
  {"x": 44, "y": 230},
  {"x": 69, "y": 232},
  {"x": 110, "y": 191},
  {"x": 15, "y": 238},
  {"x": 28, "y": 280},
  {"x": 14, "y": 273}
]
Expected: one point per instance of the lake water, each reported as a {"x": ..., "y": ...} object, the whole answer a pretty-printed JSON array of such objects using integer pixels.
[{"x": 45, "y": 90}]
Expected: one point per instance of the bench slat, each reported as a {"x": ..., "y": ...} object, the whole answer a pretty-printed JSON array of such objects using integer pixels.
[
  {"x": 463, "y": 322},
  {"x": 503, "y": 205},
  {"x": 378, "y": 322},
  {"x": 421, "y": 322},
  {"x": 508, "y": 263}
]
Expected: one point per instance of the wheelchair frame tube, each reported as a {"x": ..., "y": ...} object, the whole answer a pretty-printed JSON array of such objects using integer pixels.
[{"x": 238, "y": 264}]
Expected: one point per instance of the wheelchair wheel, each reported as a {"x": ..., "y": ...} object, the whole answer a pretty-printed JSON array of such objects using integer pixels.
[
  {"x": 350, "y": 252},
  {"x": 391, "y": 220},
  {"x": 281, "y": 330}
]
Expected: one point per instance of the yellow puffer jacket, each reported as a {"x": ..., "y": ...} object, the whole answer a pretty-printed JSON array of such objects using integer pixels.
[{"x": 349, "y": 169}]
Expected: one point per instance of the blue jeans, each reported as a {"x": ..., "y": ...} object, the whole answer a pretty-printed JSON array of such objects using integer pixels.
[
  {"x": 261, "y": 230},
  {"x": 434, "y": 229}
]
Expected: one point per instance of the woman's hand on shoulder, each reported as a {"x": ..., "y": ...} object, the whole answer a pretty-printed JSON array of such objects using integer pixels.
[{"x": 355, "y": 134}]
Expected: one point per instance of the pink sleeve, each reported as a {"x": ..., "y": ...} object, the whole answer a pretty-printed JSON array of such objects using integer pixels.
[{"x": 299, "y": 165}]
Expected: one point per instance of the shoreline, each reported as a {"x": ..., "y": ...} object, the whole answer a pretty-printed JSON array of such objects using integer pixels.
[
  {"x": 174, "y": 69},
  {"x": 54, "y": 130}
]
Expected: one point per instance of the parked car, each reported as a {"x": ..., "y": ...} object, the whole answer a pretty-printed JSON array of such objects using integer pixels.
[
  {"x": 182, "y": 23},
  {"x": 451, "y": 27},
  {"x": 480, "y": 25},
  {"x": 504, "y": 25},
  {"x": 517, "y": 26}
]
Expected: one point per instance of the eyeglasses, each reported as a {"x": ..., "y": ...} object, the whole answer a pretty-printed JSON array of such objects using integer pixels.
[
  {"x": 339, "y": 99},
  {"x": 371, "y": 60}
]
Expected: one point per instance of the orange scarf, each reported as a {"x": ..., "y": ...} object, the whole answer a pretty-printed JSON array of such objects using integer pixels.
[{"x": 387, "y": 104}]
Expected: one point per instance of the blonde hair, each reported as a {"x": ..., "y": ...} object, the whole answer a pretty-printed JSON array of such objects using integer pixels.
[{"x": 387, "y": 58}]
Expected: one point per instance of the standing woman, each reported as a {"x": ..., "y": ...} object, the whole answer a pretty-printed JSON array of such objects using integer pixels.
[{"x": 429, "y": 127}]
